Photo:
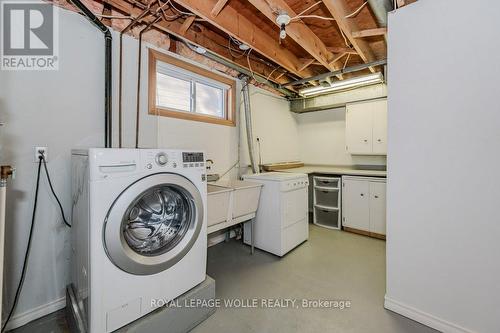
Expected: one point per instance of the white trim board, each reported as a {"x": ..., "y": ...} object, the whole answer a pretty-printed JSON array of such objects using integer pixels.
[
  {"x": 21, "y": 319},
  {"x": 423, "y": 317}
]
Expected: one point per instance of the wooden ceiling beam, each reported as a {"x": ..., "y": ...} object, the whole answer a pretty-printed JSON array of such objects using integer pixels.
[
  {"x": 187, "y": 24},
  {"x": 218, "y": 7},
  {"x": 339, "y": 11},
  {"x": 369, "y": 32},
  {"x": 299, "y": 32},
  {"x": 242, "y": 28},
  {"x": 306, "y": 63},
  {"x": 207, "y": 39},
  {"x": 341, "y": 49}
]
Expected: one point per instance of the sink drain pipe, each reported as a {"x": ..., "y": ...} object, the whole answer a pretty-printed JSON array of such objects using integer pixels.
[
  {"x": 248, "y": 120},
  {"x": 108, "y": 124}
]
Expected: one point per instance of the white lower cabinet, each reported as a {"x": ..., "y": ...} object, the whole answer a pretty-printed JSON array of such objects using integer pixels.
[{"x": 363, "y": 205}]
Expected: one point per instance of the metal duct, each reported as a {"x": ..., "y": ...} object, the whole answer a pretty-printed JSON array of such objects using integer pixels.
[
  {"x": 380, "y": 9},
  {"x": 108, "y": 125},
  {"x": 248, "y": 121}
]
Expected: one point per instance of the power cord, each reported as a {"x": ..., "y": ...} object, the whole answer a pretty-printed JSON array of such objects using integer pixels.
[
  {"x": 30, "y": 237},
  {"x": 27, "y": 254},
  {"x": 42, "y": 158}
]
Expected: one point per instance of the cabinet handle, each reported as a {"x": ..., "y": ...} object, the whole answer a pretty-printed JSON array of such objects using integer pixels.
[
  {"x": 362, "y": 195},
  {"x": 376, "y": 197},
  {"x": 366, "y": 140},
  {"x": 379, "y": 140}
]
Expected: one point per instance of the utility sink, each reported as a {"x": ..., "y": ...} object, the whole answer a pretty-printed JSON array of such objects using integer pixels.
[
  {"x": 231, "y": 202},
  {"x": 217, "y": 204}
]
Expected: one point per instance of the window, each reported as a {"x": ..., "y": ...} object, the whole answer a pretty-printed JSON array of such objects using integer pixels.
[{"x": 182, "y": 90}]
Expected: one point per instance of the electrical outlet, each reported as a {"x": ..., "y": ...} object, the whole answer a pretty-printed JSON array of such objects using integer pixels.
[{"x": 39, "y": 150}]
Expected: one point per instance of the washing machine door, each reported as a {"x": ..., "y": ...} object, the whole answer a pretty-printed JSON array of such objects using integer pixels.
[{"x": 153, "y": 223}]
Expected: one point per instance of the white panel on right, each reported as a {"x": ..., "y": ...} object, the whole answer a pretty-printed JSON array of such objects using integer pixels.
[{"x": 443, "y": 228}]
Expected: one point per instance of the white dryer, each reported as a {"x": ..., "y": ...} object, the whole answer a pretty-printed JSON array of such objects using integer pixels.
[{"x": 139, "y": 232}]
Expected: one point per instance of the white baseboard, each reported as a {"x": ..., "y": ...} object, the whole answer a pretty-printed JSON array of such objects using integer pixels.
[
  {"x": 423, "y": 317},
  {"x": 23, "y": 318}
]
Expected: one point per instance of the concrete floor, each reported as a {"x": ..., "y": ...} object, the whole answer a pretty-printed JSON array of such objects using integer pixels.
[{"x": 332, "y": 265}]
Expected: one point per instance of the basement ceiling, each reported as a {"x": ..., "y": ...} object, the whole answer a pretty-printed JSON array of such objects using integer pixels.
[{"x": 329, "y": 35}]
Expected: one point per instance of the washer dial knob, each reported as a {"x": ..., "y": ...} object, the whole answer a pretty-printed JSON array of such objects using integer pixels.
[{"x": 161, "y": 159}]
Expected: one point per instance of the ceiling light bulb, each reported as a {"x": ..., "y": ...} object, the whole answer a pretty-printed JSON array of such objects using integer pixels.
[
  {"x": 282, "y": 32},
  {"x": 282, "y": 20}
]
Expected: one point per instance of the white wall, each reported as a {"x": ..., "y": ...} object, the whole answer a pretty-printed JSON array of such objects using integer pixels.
[
  {"x": 322, "y": 139},
  {"x": 274, "y": 125},
  {"x": 64, "y": 109},
  {"x": 443, "y": 228},
  {"x": 59, "y": 109},
  {"x": 219, "y": 142}
]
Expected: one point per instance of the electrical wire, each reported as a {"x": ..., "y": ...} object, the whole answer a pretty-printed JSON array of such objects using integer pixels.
[
  {"x": 269, "y": 76},
  {"x": 231, "y": 49},
  {"x": 28, "y": 247},
  {"x": 300, "y": 15},
  {"x": 178, "y": 10},
  {"x": 307, "y": 9},
  {"x": 250, "y": 66},
  {"x": 356, "y": 12},
  {"x": 164, "y": 13},
  {"x": 54, "y": 192}
]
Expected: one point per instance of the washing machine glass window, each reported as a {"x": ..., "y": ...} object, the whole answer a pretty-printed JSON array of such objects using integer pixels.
[
  {"x": 153, "y": 223},
  {"x": 157, "y": 219}
]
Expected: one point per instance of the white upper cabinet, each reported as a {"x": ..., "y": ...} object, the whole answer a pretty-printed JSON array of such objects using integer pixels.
[{"x": 366, "y": 128}]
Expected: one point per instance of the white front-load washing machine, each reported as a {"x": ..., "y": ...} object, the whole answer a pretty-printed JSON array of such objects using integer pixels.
[{"x": 139, "y": 232}]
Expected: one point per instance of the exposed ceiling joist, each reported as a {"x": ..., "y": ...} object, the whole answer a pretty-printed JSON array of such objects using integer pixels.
[
  {"x": 339, "y": 11},
  {"x": 341, "y": 49},
  {"x": 298, "y": 31},
  {"x": 218, "y": 7},
  {"x": 207, "y": 39},
  {"x": 240, "y": 27},
  {"x": 306, "y": 63},
  {"x": 187, "y": 24},
  {"x": 369, "y": 32}
]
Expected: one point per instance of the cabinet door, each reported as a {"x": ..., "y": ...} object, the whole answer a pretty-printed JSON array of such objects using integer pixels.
[
  {"x": 356, "y": 204},
  {"x": 377, "y": 207},
  {"x": 359, "y": 128},
  {"x": 379, "y": 109}
]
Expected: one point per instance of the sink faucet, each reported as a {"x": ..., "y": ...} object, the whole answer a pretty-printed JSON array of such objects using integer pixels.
[{"x": 209, "y": 164}]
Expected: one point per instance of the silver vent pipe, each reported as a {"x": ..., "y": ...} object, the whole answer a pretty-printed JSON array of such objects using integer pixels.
[
  {"x": 380, "y": 9},
  {"x": 248, "y": 120}
]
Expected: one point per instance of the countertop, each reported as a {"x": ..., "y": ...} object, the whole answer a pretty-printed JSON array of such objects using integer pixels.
[{"x": 337, "y": 170}]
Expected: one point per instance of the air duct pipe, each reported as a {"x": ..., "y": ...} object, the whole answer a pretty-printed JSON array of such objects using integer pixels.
[
  {"x": 248, "y": 120},
  {"x": 380, "y": 9},
  {"x": 108, "y": 124}
]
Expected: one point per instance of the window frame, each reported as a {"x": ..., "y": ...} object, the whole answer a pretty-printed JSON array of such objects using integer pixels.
[{"x": 229, "y": 102}]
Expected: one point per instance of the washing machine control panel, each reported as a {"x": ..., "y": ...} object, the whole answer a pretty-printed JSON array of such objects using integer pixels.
[
  {"x": 193, "y": 160},
  {"x": 161, "y": 159},
  {"x": 156, "y": 159}
]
